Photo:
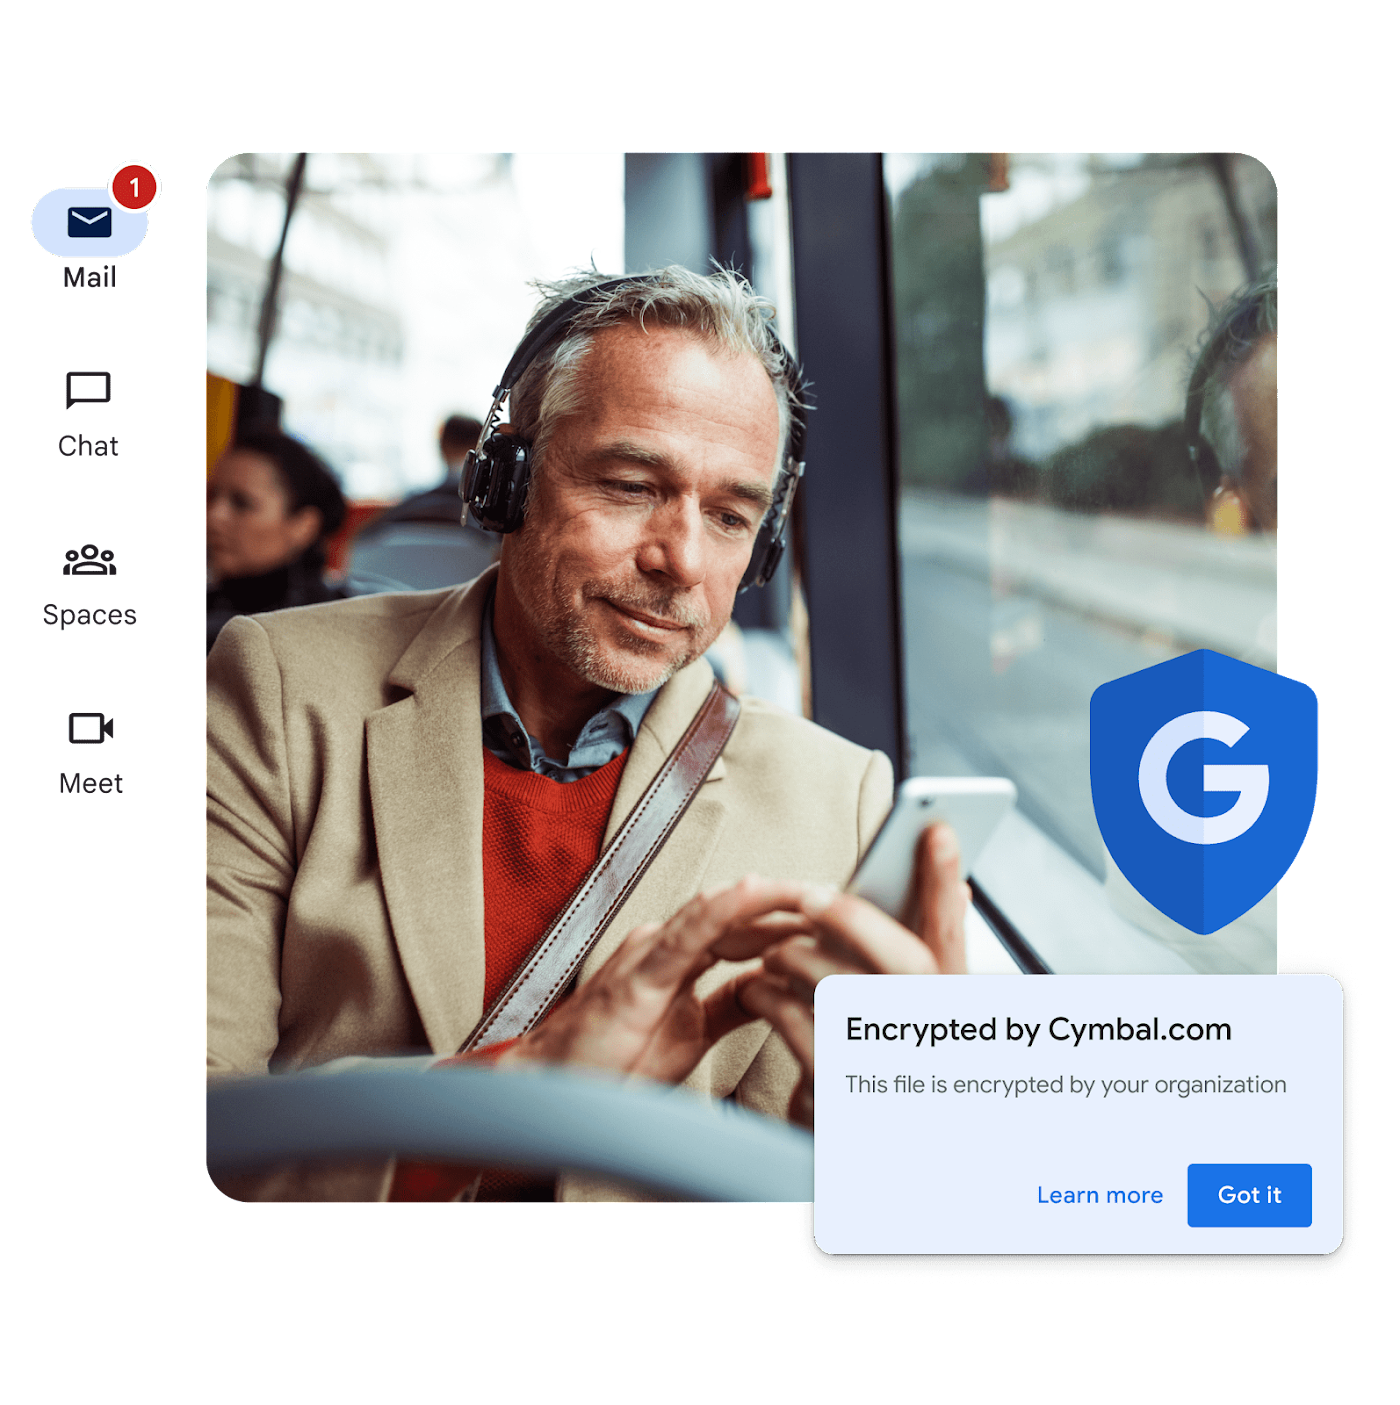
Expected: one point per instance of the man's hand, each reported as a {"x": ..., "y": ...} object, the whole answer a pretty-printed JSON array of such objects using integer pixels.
[
  {"x": 639, "y": 1013},
  {"x": 848, "y": 935}
]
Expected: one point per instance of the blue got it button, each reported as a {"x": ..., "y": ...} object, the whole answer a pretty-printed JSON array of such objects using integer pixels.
[{"x": 1249, "y": 1196}]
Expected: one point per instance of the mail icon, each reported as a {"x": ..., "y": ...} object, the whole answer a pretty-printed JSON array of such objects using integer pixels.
[{"x": 89, "y": 222}]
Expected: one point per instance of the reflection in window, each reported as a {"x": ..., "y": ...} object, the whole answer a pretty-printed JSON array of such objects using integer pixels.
[{"x": 1056, "y": 532}]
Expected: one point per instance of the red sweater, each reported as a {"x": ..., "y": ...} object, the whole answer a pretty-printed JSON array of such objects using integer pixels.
[{"x": 538, "y": 839}]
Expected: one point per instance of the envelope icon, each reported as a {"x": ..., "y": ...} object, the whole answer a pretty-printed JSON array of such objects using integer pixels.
[{"x": 89, "y": 222}]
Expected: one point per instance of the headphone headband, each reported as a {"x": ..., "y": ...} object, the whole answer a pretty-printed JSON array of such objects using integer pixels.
[{"x": 496, "y": 475}]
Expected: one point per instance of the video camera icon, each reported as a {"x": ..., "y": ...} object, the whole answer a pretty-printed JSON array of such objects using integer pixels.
[{"x": 89, "y": 728}]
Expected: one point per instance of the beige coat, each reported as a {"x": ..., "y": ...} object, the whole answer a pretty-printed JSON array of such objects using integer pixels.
[{"x": 345, "y": 824}]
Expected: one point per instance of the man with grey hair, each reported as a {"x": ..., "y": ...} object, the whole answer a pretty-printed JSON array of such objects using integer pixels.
[
  {"x": 405, "y": 789},
  {"x": 1232, "y": 403}
]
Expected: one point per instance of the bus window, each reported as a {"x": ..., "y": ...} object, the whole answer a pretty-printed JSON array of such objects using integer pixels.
[{"x": 1055, "y": 532}]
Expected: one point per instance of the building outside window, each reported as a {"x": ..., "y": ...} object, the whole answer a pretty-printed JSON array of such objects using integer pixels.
[{"x": 1054, "y": 531}]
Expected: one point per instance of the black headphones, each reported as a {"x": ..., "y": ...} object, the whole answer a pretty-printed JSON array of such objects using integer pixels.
[{"x": 496, "y": 474}]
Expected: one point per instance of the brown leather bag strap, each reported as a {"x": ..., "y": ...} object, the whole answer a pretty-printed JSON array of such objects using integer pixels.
[{"x": 545, "y": 973}]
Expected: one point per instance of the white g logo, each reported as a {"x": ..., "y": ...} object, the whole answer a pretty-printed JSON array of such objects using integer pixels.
[{"x": 1252, "y": 782}]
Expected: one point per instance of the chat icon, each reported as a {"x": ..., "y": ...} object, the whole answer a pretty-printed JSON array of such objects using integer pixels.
[
  {"x": 79, "y": 222},
  {"x": 89, "y": 388}
]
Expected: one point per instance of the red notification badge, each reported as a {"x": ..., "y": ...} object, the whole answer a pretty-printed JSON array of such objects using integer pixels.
[{"x": 133, "y": 187}]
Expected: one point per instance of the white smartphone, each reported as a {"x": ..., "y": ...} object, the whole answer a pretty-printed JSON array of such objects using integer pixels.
[{"x": 973, "y": 805}]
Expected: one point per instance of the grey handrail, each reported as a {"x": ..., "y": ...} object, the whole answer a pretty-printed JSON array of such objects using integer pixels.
[{"x": 665, "y": 1139}]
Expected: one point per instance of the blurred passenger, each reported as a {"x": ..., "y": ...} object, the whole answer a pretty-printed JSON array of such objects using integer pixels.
[
  {"x": 456, "y": 440},
  {"x": 272, "y": 506},
  {"x": 1232, "y": 408},
  {"x": 421, "y": 543}
]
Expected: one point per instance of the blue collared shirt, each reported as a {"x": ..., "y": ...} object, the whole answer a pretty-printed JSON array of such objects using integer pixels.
[{"x": 608, "y": 733}]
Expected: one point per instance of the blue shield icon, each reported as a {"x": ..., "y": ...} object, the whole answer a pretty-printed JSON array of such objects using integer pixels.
[{"x": 1204, "y": 774}]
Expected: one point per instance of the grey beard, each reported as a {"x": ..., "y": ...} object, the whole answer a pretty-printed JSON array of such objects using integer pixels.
[{"x": 600, "y": 667}]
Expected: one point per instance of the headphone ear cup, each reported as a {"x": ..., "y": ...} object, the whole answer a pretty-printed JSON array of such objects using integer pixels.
[
  {"x": 497, "y": 479},
  {"x": 768, "y": 547},
  {"x": 759, "y": 569}
]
